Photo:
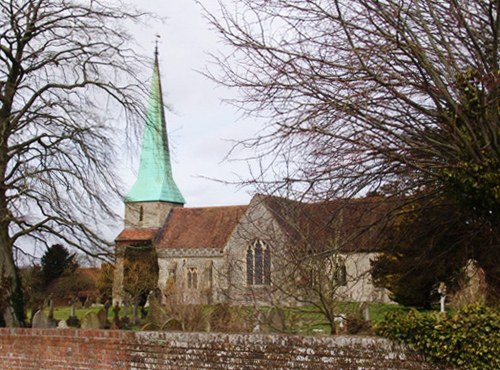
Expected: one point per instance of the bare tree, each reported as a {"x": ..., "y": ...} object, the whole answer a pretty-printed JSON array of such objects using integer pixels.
[
  {"x": 65, "y": 67},
  {"x": 365, "y": 93},
  {"x": 392, "y": 97}
]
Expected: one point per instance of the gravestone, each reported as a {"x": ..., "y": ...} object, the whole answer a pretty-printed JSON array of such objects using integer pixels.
[
  {"x": 73, "y": 321},
  {"x": 62, "y": 325},
  {"x": 103, "y": 318},
  {"x": 340, "y": 321},
  {"x": 42, "y": 321},
  {"x": 116, "y": 313},
  {"x": 364, "y": 311},
  {"x": 88, "y": 302},
  {"x": 90, "y": 321},
  {"x": 276, "y": 320}
]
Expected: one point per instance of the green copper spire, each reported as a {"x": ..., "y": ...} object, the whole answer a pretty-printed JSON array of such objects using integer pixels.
[{"x": 154, "y": 181}]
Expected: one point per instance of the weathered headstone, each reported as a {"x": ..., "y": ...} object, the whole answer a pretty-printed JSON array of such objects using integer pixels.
[
  {"x": 103, "y": 318},
  {"x": 340, "y": 322},
  {"x": 51, "y": 309},
  {"x": 116, "y": 313},
  {"x": 88, "y": 302},
  {"x": 442, "y": 293},
  {"x": 73, "y": 321},
  {"x": 90, "y": 321},
  {"x": 62, "y": 325},
  {"x": 364, "y": 311},
  {"x": 276, "y": 320},
  {"x": 42, "y": 321}
]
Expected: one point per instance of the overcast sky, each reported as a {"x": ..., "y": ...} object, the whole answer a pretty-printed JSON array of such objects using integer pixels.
[{"x": 200, "y": 126}]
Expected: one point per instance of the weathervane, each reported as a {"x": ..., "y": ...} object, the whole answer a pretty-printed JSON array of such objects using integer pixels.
[{"x": 157, "y": 41}]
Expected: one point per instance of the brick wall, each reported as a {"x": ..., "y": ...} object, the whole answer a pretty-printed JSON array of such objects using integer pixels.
[{"x": 110, "y": 349}]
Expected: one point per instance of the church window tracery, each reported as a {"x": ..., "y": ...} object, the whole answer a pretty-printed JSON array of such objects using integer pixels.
[
  {"x": 192, "y": 278},
  {"x": 258, "y": 263}
]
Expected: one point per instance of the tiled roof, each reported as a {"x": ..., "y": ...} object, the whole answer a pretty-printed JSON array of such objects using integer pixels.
[
  {"x": 349, "y": 225},
  {"x": 135, "y": 235},
  {"x": 206, "y": 227}
]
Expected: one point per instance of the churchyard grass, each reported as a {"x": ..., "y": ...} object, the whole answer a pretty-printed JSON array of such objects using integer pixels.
[
  {"x": 63, "y": 312},
  {"x": 305, "y": 319}
]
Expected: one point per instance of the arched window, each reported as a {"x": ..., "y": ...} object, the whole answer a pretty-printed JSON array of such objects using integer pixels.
[
  {"x": 340, "y": 273},
  {"x": 192, "y": 278},
  {"x": 258, "y": 263},
  {"x": 249, "y": 266}
]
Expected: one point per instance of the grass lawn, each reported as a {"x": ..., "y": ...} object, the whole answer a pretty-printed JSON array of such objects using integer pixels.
[{"x": 62, "y": 313}]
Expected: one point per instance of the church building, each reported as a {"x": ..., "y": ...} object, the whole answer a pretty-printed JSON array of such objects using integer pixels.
[{"x": 239, "y": 254}]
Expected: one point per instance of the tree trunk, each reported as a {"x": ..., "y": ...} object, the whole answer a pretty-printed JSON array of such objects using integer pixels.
[{"x": 8, "y": 281}]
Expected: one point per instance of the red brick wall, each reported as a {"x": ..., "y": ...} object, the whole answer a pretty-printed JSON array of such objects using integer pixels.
[{"x": 109, "y": 349}]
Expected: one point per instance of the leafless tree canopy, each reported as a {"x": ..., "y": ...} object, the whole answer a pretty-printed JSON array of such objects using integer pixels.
[
  {"x": 66, "y": 66},
  {"x": 362, "y": 94}
]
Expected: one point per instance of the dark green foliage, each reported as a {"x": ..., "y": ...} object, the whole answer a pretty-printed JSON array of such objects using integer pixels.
[
  {"x": 14, "y": 300},
  {"x": 18, "y": 299},
  {"x": 56, "y": 261},
  {"x": 429, "y": 243},
  {"x": 33, "y": 287},
  {"x": 468, "y": 339}
]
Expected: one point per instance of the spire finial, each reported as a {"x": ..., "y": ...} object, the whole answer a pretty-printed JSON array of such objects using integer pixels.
[{"x": 157, "y": 41}]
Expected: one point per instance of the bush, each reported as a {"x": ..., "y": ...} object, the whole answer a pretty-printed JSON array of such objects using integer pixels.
[{"x": 469, "y": 339}]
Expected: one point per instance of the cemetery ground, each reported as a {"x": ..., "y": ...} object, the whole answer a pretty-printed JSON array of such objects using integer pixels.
[{"x": 309, "y": 321}]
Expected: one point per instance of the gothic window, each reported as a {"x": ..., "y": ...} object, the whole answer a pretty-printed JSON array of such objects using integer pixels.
[
  {"x": 340, "y": 273},
  {"x": 192, "y": 278},
  {"x": 258, "y": 263},
  {"x": 249, "y": 266}
]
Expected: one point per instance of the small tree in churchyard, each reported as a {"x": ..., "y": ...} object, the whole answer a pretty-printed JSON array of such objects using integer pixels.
[
  {"x": 140, "y": 275},
  {"x": 56, "y": 262}
]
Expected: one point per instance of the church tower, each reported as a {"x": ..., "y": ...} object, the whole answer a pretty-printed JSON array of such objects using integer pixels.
[{"x": 154, "y": 193}]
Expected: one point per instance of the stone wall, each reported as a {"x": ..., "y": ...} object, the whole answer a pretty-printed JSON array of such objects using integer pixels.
[{"x": 109, "y": 349}]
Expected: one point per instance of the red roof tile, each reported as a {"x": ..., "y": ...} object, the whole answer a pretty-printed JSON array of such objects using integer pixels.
[
  {"x": 133, "y": 235},
  {"x": 349, "y": 225},
  {"x": 206, "y": 227}
]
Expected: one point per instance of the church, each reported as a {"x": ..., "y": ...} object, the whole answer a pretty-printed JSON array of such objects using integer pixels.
[{"x": 259, "y": 252}]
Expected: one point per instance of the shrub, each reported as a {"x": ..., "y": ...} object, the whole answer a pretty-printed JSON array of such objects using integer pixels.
[{"x": 470, "y": 338}]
